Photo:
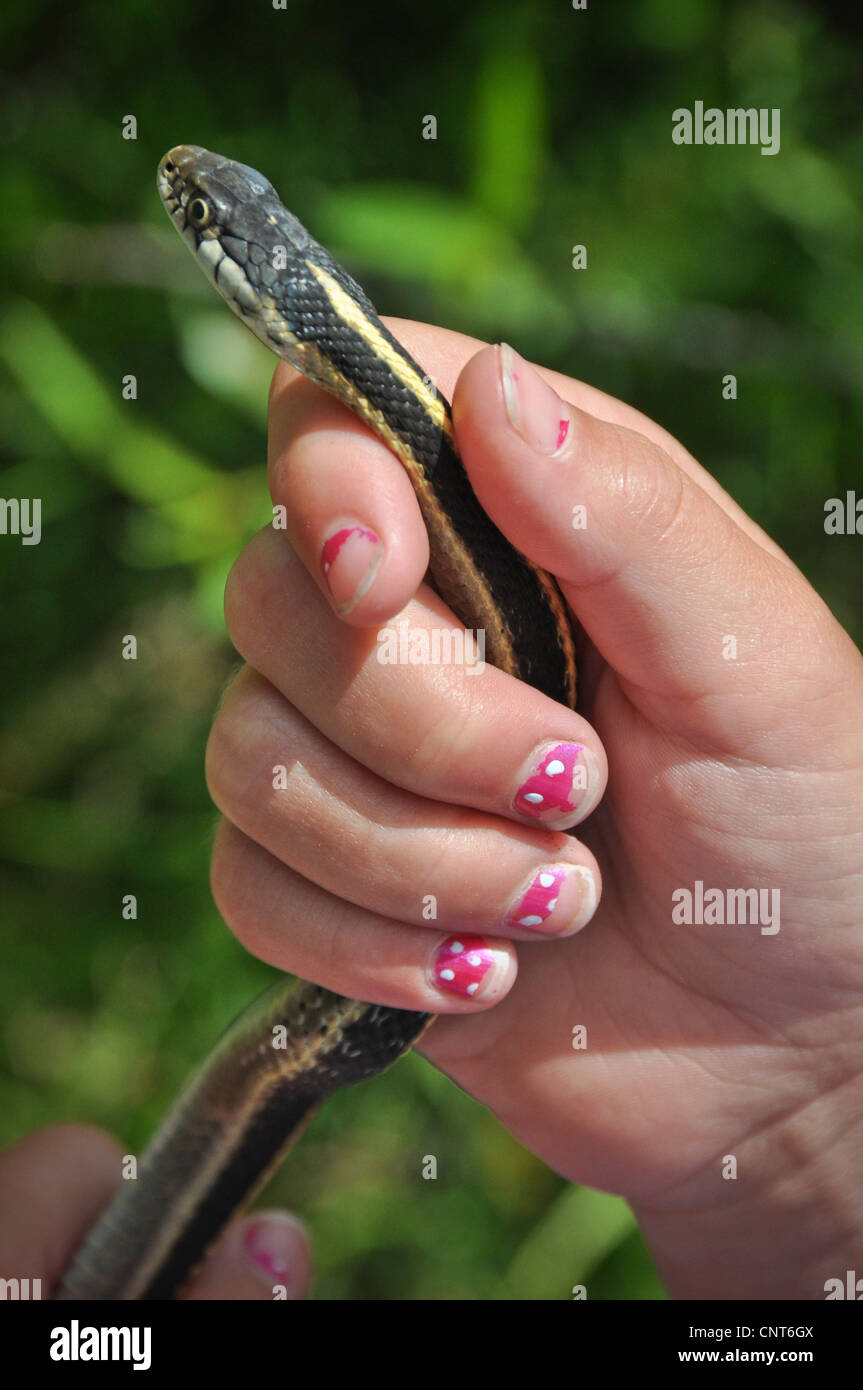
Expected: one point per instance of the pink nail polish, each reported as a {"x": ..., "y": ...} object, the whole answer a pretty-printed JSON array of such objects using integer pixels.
[
  {"x": 533, "y": 408},
  {"x": 558, "y": 786},
  {"x": 560, "y": 899},
  {"x": 540, "y": 900},
  {"x": 350, "y": 560},
  {"x": 275, "y": 1247},
  {"x": 259, "y": 1252},
  {"x": 461, "y": 963}
]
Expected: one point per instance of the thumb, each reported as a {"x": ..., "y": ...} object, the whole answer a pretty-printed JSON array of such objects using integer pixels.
[{"x": 673, "y": 593}]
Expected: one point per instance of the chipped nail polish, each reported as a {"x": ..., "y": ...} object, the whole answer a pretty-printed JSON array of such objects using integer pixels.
[
  {"x": 461, "y": 963},
  {"x": 560, "y": 898},
  {"x": 559, "y": 786},
  {"x": 350, "y": 559},
  {"x": 535, "y": 411},
  {"x": 276, "y": 1250},
  {"x": 539, "y": 902}
]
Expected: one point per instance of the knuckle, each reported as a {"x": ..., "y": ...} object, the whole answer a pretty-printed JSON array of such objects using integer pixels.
[
  {"x": 248, "y": 889},
  {"x": 227, "y": 761},
  {"x": 234, "y": 883},
  {"x": 225, "y": 877},
  {"x": 667, "y": 511},
  {"x": 445, "y": 738},
  {"x": 651, "y": 488},
  {"x": 243, "y": 587},
  {"x": 261, "y": 585}
]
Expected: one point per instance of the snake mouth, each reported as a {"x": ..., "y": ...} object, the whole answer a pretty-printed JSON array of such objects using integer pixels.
[
  {"x": 172, "y": 177},
  {"x": 176, "y": 178},
  {"x": 179, "y": 160}
]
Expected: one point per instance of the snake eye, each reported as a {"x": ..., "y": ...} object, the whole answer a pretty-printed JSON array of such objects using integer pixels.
[{"x": 199, "y": 212}]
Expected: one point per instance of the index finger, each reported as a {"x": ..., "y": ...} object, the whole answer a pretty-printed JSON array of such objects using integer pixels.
[{"x": 347, "y": 504}]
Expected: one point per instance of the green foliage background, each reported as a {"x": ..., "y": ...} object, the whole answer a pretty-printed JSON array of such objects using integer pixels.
[{"x": 554, "y": 128}]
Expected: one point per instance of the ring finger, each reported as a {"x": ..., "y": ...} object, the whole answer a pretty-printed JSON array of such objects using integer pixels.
[{"x": 406, "y": 857}]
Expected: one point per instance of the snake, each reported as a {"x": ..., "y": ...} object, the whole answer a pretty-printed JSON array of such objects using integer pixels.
[{"x": 297, "y": 1044}]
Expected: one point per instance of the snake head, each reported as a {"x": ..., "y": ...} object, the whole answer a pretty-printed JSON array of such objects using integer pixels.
[
  {"x": 234, "y": 224},
  {"x": 208, "y": 195},
  {"x": 273, "y": 274}
]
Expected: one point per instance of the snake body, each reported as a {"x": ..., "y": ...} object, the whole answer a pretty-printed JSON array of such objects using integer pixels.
[{"x": 297, "y": 1043}]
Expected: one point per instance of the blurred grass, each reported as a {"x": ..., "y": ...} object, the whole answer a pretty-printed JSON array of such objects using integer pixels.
[{"x": 553, "y": 130}]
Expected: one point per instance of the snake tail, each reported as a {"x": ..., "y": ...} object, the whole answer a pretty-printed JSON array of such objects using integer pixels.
[{"x": 290, "y": 1049}]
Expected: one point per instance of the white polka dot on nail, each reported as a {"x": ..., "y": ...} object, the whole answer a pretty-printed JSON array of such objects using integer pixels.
[
  {"x": 546, "y": 880},
  {"x": 529, "y": 921},
  {"x": 447, "y": 974},
  {"x": 555, "y": 768},
  {"x": 551, "y": 904},
  {"x": 474, "y": 959},
  {"x": 472, "y": 989},
  {"x": 534, "y": 797},
  {"x": 456, "y": 947}
]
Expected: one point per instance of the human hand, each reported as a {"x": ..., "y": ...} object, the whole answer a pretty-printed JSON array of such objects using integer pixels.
[{"x": 735, "y": 763}]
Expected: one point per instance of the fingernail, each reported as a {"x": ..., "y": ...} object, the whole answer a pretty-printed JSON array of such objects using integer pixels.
[
  {"x": 535, "y": 411},
  {"x": 350, "y": 559},
  {"x": 562, "y": 786},
  {"x": 276, "y": 1250},
  {"x": 560, "y": 898},
  {"x": 467, "y": 965}
]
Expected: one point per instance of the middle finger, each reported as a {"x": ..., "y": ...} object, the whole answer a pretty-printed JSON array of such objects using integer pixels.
[{"x": 454, "y": 730}]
